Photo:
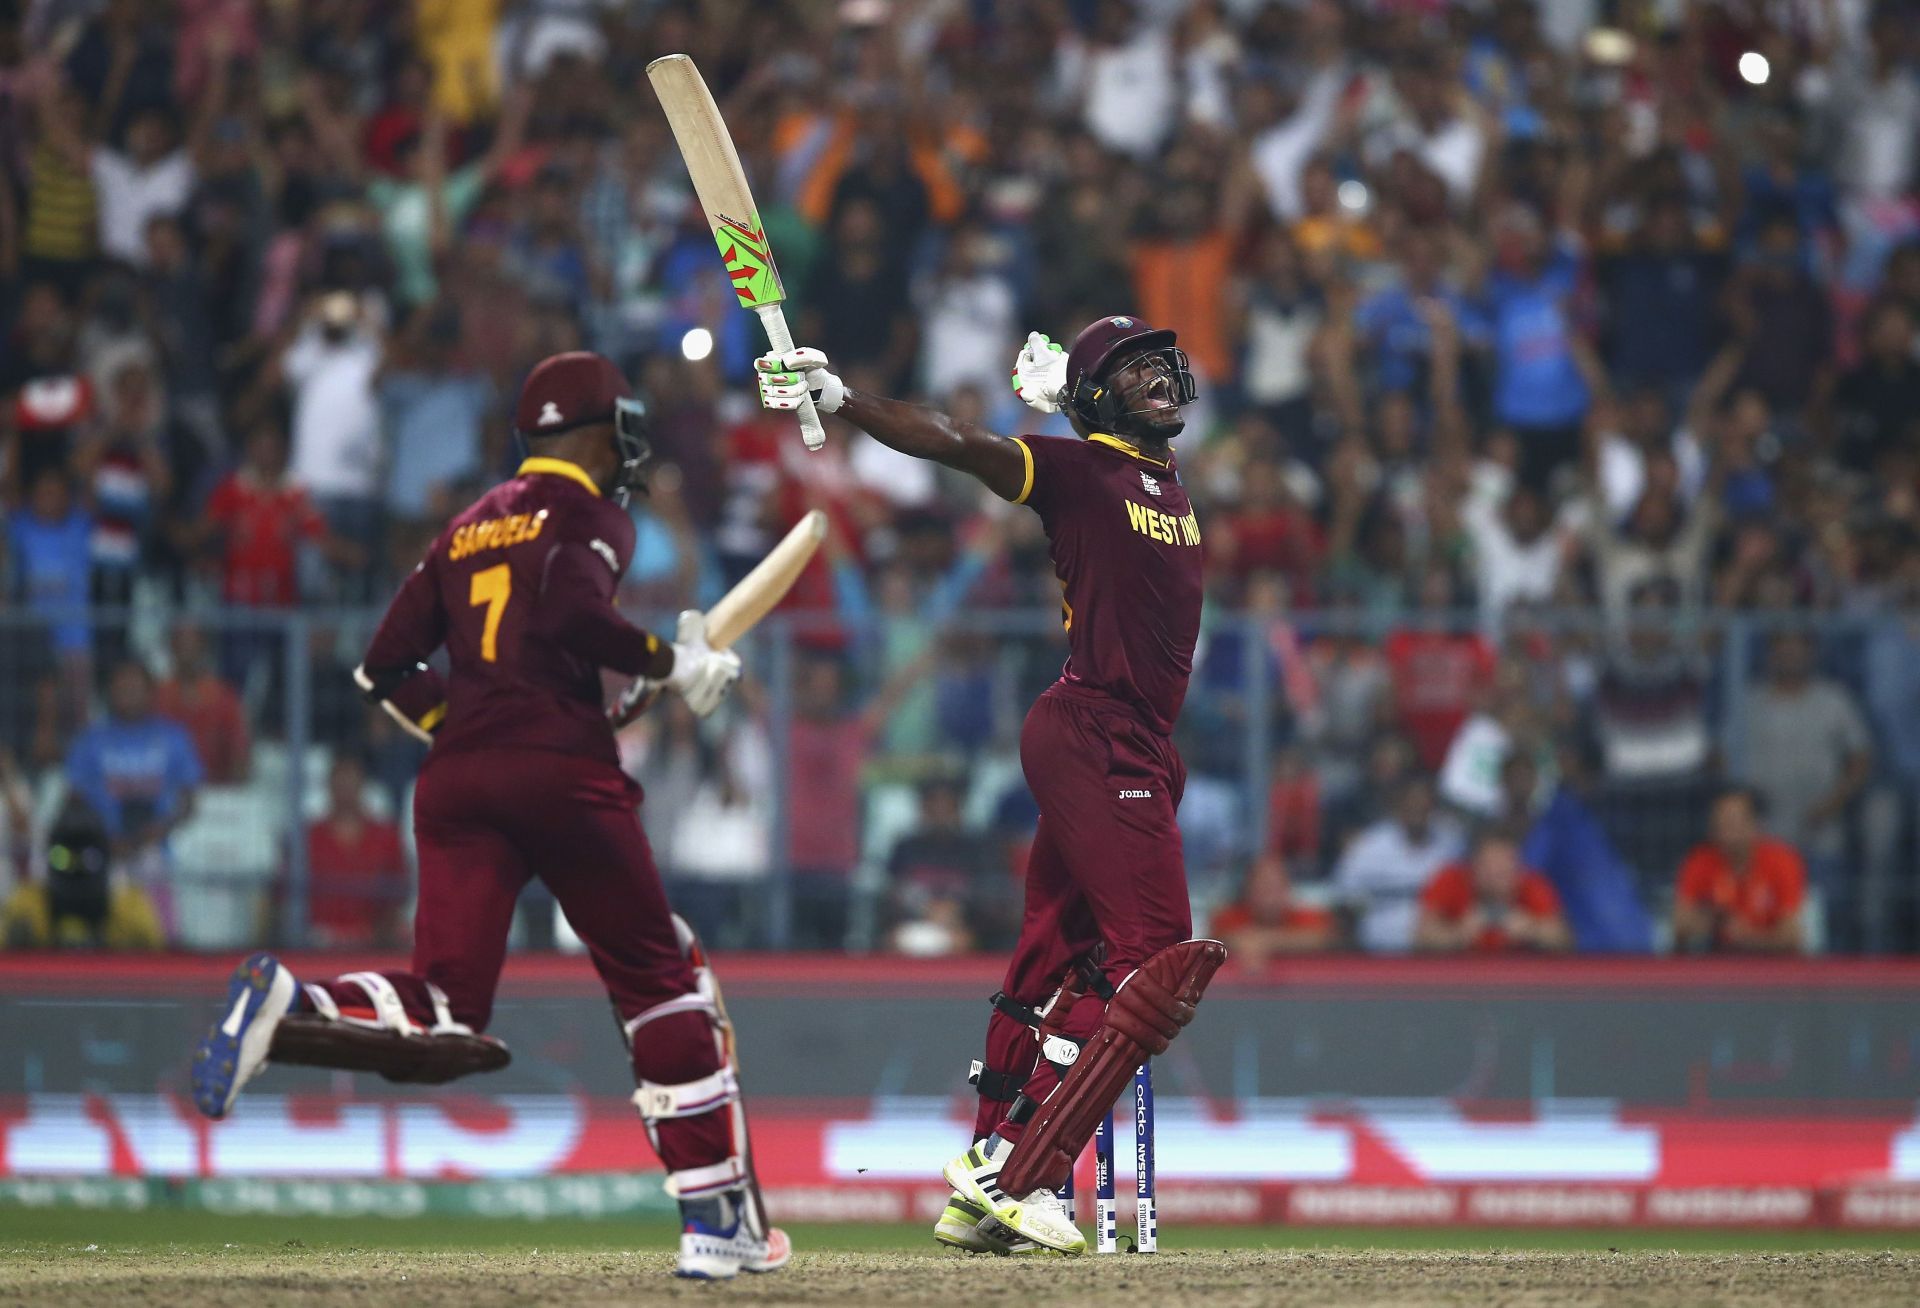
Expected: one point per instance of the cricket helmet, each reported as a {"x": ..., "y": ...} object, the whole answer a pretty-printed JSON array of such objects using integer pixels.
[
  {"x": 1101, "y": 348},
  {"x": 579, "y": 388}
]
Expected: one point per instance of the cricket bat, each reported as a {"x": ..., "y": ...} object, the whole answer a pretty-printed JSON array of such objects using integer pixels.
[
  {"x": 721, "y": 185},
  {"x": 756, "y": 593}
]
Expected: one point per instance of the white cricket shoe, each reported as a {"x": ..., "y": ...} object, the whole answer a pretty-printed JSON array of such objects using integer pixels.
[
  {"x": 1039, "y": 1218},
  {"x": 235, "y": 1047},
  {"x": 717, "y": 1243}
]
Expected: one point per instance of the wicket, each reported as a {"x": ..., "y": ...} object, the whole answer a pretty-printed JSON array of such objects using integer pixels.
[{"x": 1106, "y": 1213}]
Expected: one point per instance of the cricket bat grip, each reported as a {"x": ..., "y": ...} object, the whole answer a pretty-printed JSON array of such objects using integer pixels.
[{"x": 774, "y": 319}]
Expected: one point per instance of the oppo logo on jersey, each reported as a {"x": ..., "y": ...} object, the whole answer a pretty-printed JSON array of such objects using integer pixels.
[
  {"x": 1163, "y": 527},
  {"x": 494, "y": 533}
]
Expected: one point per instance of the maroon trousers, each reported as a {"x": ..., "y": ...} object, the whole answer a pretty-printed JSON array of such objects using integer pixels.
[
  {"x": 485, "y": 822},
  {"x": 1106, "y": 867}
]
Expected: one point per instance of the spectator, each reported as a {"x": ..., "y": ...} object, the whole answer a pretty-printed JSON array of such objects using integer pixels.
[
  {"x": 261, "y": 520},
  {"x": 1503, "y": 727},
  {"x": 1123, "y": 76},
  {"x": 1877, "y": 403},
  {"x": 1382, "y": 872},
  {"x": 1566, "y": 842},
  {"x": 1663, "y": 294},
  {"x": 49, "y": 553},
  {"x": 76, "y": 901},
  {"x": 1742, "y": 891},
  {"x": 1437, "y": 673},
  {"x": 337, "y": 452},
  {"x": 1491, "y": 903},
  {"x": 1782, "y": 318},
  {"x": 1266, "y": 920},
  {"x": 1517, "y": 552},
  {"x": 968, "y": 317},
  {"x": 827, "y": 744},
  {"x": 1807, "y": 754},
  {"x": 357, "y": 883},
  {"x": 1540, "y": 368},
  {"x": 139, "y": 772},
  {"x": 435, "y": 410},
  {"x": 949, "y": 887},
  {"x": 721, "y": 836},
  {"x": 206, "y": 706}
]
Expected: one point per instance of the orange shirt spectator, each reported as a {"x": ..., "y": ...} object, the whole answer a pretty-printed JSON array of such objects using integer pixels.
[
  {"x": 207, "y": 707},
  {"x": 1491, "y": 903},
  {"x": 1742, "y": 889},
  {"x": 1184, "y": 280},
  {"x": 1265, "y": 919}
]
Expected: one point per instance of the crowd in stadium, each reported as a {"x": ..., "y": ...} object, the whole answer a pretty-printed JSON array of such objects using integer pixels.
[{"x": 1559, "y": 435}]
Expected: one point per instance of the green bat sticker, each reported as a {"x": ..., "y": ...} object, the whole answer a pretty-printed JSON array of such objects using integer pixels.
[{"x": 743, "y": 247}]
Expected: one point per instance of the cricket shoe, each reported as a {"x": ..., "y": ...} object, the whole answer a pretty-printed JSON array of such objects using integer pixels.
[
  {"x": 1039, "y": 1218},
  {"x": 716, "y": 1242},
  {"x": 235, "y": 1048},
  {"x": 959, "y": 1228}
]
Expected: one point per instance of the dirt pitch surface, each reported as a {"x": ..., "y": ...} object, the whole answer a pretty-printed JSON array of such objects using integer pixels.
[{"x": 186, "y": 1260}]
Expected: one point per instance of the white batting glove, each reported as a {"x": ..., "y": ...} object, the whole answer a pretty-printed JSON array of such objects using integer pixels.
[
  {"x": 786, "y": 379},
  {"x": 1040, "y": 373},
  {"x": 701, "y": 674}
]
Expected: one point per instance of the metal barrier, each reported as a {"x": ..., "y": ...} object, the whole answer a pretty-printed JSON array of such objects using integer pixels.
[{"x": 1284, "y": 718}]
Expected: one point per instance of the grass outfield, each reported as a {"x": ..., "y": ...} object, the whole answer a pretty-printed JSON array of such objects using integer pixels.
[
  {"x": 62, "y": 1230},
  {"x": 142, "y": 1260}
]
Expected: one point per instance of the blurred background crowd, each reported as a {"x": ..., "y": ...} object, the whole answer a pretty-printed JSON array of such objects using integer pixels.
[{"x": 1557, "y": 458}]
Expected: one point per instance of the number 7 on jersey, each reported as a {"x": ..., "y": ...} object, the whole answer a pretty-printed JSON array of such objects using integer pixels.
[{"x": 491, "y": 587}]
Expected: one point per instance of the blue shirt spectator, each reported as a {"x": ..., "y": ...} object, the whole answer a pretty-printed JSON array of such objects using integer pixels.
[
  {"x": 137, "y": 769},
  {"x": 1566, "y": 842},
  {"x": 51, "y": 547},
  {"x": 1538, "y": 382}
]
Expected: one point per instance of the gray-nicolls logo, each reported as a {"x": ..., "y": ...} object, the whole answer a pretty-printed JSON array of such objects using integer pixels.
[{"x": 1152, "y": 487}]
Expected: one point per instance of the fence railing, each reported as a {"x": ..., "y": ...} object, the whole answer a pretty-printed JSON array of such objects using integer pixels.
[{"x": 1660, "y": 709}]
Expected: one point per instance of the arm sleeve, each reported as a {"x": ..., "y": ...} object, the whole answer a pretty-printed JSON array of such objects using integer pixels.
[{"x": 575, "y": 610}]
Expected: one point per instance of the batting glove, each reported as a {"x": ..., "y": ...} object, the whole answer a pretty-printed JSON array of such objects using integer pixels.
[
  {"x": 787, "y": 378},
  {"x": 701, "y": 674},
  {"x": 1040, "y": 373}
]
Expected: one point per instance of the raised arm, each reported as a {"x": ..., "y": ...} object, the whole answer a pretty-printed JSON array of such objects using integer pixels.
[{"x": 1001, "y": 464}]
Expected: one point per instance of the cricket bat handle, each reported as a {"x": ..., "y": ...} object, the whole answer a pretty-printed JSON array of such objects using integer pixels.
[{"x": 774, "y": 319}]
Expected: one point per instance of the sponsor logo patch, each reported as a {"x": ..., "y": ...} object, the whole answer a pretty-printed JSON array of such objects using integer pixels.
[{"x": 1136, "y": 794}]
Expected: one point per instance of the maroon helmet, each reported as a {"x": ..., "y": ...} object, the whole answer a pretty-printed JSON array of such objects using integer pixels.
[
  {"x": 1099, "y": 350},
  {"x": 575, "y": 389}
]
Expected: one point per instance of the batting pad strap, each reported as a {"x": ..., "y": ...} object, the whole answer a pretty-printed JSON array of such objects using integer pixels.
[
  {"x": 680, "y": 1004},
  {"x": 443, "y": 1023},
  {"x": 389, "y": 1011},
  {"x": 658, "y": 1102},
  {"x": 700, "y": 1182},
  {"x": 1001, "y": 1087}
]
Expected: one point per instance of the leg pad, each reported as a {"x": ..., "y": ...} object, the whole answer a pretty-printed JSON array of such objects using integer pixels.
[{"x": 1147, "y": 1011}]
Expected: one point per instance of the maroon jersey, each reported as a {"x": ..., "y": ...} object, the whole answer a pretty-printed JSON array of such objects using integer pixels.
[
  {"x": 519, "y": 588},
  {"x": 1126, "y": 548}
]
